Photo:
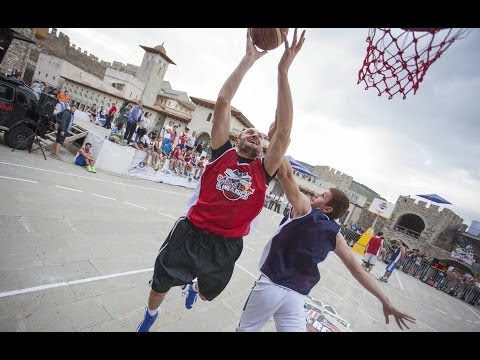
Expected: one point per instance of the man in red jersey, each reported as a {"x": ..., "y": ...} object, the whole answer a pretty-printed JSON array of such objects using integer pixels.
[
  {"x": 205, "y": 244},
  {"x": 371, "y": 251}
]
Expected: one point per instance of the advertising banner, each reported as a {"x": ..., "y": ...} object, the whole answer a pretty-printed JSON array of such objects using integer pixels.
[{"x": 382, "y": 208}]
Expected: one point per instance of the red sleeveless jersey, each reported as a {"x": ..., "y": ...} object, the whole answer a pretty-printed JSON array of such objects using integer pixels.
[{"x": 229, "y": 197}]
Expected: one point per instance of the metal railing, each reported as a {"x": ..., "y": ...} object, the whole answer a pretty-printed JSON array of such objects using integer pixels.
[
  {"x": 406, "y": 231},
  {"x": 350, "y": 236},
  {"x": 421, "y": 268}
]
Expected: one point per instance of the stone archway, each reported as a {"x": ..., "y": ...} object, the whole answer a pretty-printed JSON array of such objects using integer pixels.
[{"x": 410, "y": 224}]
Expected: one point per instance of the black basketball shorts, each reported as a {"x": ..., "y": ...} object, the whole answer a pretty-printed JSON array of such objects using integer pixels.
[{"x": 190, "y": 253}]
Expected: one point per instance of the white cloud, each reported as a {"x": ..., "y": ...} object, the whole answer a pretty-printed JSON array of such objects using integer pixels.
[{"x": 427, "y": 143}]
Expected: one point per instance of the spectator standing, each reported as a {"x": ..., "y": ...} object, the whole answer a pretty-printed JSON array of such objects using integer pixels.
[
  {"x": 182, "y": 139},
  {"x": 395, "y": 260},
  {"x": 371, "y": 251},
  {"x": 191, "y": 139},
  {"x": 62, "y": 131},
  {"x": 173, "y": 133},
  {"x": 101, "y": 117},
  {"x": 143, "y": 125},
  {"x": 133, "y": 119},
  {"x": 124, "y": 114},
  {"x": 199, "y": 148},
  {"x": 37, "y": 89},
  {"x": 111, "y": 113},
  {"x": 64, "y": 96},
  {"x": 92, "y": 113}
]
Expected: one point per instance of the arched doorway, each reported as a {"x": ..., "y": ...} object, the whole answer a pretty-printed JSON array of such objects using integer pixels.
[{"x": 411, "y": 225}]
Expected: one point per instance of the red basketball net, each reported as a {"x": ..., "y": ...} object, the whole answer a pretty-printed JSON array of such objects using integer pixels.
[{"x": 397, "y": 59}]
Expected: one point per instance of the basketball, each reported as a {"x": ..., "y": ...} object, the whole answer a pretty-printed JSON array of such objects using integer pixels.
[{"x": 267, "y": 38}]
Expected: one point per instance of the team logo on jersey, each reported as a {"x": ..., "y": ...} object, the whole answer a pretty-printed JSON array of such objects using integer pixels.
[{"x": 235, "y": 184}]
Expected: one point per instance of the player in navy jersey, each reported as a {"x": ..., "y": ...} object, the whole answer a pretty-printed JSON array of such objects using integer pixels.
[
  {"x": 205, "y": 244},
  {"x": 289, "y": 263}
]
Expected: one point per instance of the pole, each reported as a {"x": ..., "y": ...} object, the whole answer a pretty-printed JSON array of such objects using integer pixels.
[{"x": 374, "y": 222}]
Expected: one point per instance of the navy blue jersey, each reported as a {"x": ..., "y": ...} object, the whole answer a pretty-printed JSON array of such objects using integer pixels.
[{"x": 291, "y": 257}]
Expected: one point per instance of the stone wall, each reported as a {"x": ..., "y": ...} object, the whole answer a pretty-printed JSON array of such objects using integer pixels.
[
  {"x": 333, "y": 176},
  {"x": 59, "y": 46},
  {"x": 437, "y": 223},
  {"x": 18, "y": 53},
  {"x": 128, "y": 68},
  {"x": 367, "y": 219}
]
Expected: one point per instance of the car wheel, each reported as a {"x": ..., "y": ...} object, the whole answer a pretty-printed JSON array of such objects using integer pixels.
[{"x": 16, "y": 137}]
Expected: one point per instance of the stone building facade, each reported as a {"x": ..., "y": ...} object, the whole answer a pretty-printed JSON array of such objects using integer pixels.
[
  {"x": 128, "y": 84},
  {"x": 367, "y": 219},
  {"x": 334, "y": 176},
  {"x": 59, "y": 46},
  {"x": 202, "y": 120},
  {"x": 152, "y": 71},
  {"x": 52, "y": 70},
  {"x": 83, "y": 95},
  {"x": 18, "y": 53},
  {"x": 124, "y": 68},
  {"x": 422, "y": 227}
]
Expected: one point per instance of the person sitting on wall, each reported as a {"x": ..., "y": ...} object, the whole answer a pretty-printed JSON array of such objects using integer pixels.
[
  {"x": 117, "y": 133},
  {"x": 84, "y": 157}
]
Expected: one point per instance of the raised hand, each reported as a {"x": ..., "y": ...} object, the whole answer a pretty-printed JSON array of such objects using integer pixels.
[
  {"x": 399, "y": 316},
  {"x": 252, "y": 51},
  {"x": 290, "y": 51}
]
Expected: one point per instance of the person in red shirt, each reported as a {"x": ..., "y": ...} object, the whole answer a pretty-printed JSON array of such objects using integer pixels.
[
  {"x": 111, "y": 113},
  {"x": 174, "y": 156},
  {"x": 205, "y": 244},
  {"x": 182, "y": 139},
  {"x": 371, "y": 251}
]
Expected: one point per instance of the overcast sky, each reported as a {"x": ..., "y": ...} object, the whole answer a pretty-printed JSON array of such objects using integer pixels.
[{"x": 428, "y": 143}]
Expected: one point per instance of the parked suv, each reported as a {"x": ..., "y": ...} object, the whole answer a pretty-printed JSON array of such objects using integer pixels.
[{"x": 22, "y": 113}]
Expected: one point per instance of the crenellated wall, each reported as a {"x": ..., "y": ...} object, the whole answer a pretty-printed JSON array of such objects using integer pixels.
[
  {"x": 333, "y": 176},
  {"x": 128, "y": 68},
  {"x": 436, "y": 222},
  {"x": 59, "y": 45}
]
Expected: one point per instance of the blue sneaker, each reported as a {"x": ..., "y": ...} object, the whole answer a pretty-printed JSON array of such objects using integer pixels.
[
  {"x": 191, "y": 296},
  {"x": 147, "y": 322}
]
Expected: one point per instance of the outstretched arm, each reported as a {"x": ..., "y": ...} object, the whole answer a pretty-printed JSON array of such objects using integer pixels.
[
  {"x": 221, "y": 112},
  {"x": 284, "y": 116},
  {"x": 298, "y": 200},
  {"x": 273, "y": 128},
  {"x": 346, "y": 255}
]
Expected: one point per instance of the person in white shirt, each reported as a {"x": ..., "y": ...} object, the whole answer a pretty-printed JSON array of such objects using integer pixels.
[
  {"x": 166, "y": 133},
  {"x": 143, "y": 125},
  {"x": 191, "y": 141},
  {"x": 37, "y": 88}
]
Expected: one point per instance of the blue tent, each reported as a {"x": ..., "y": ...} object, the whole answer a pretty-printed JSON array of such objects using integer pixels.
[
  {"x": 292, "y": 161},
  {"x": 435, "y": 198},
  {"x": 299, "y": 167}
]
